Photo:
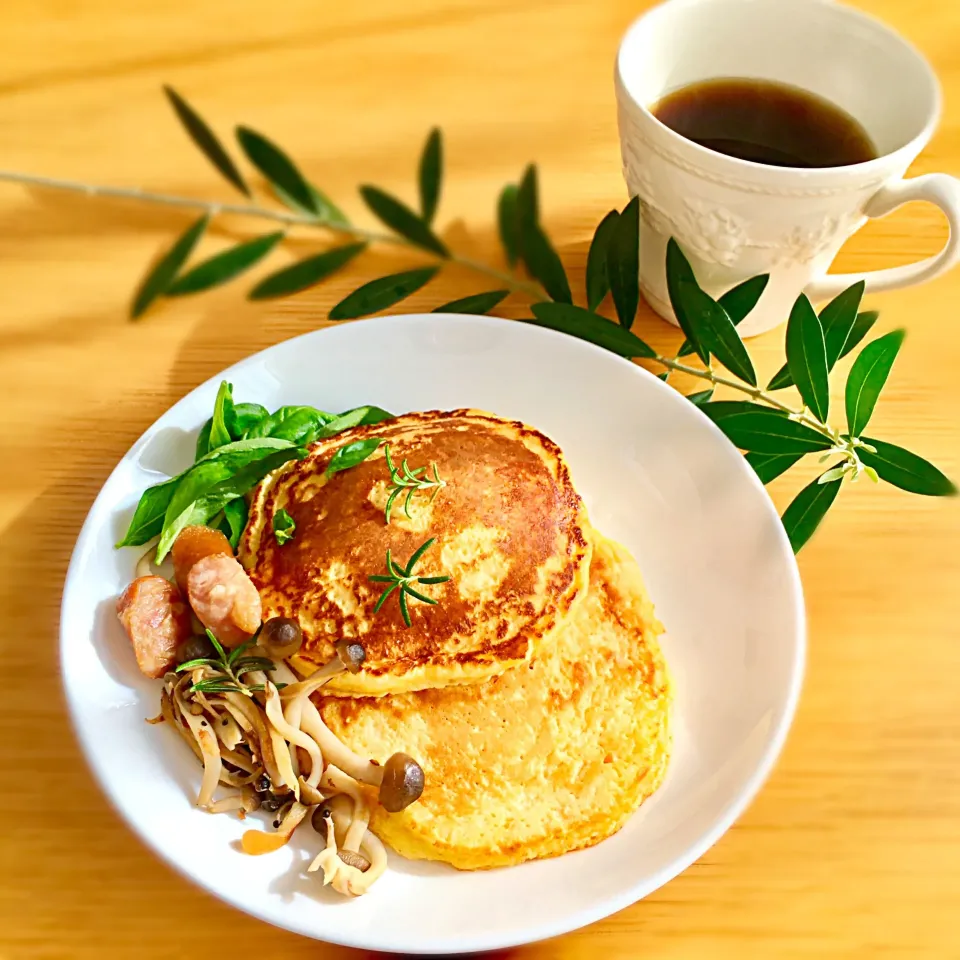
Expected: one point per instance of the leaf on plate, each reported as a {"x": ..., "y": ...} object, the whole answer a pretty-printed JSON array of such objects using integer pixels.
[
  {"x": 808, "y": 508},
  {"x": 224, "y": 266},
  {"x": 868, "y": 375},
  {"x": 235, "y": 514},
  {"x": 352, "y": 454},
  {"x": 279, "y": 170},
  {"x": 283, "y": 527},
  {"x": 305, "y": 273},
  {"x": 402, "y": 220},
  {"x": 430, "y": 175},
  {"x": 158, "y": 280},
  {"x": 219, "y": 434},
  {"x": 206, "y": 140},
  {"x": 147, "y": 520},
  {"x": 588, "y": 326},
  {"x": 623, "y": 263},
  {"x": 358, "y": 417},
  {"x": 598, "y": 278},
  {"x": 382, "y": 293},
  {"x": 476, "y": 303},
  {"x": 300, "y": 425},
  {"x": 906, "y": 470}
]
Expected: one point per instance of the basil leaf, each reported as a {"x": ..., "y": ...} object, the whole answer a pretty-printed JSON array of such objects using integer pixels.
[
  {"x": 588, "y": 326},
  {"x": 158, "y": 280},
  {"x": 224, "y": 266},
  {"x": 715, "y": 330},
  {"x": 147, "y": 520},
  {"x": 352, "y": 454},
  {"x": 598, "y": 278},
  {"x": 703, "y": 396},
  {"x": 204, "y": 492},
  {"x": 623, "y": 263},
  {"x": 206, "y": 140},
  {"x": 323, "y": 207},
  {"x": 758, "y": 429},
  {"x": 906, "y": 470},
  {"x": 299, "y": 425},
  {"x": 277, "y": 167},
  {"x": 402, "y": 220},
  {"x": 808, "y": 508},
  {"x": 868, "y": 375},
  {"x": 508, "y": 223},
  {"x": 235, "y": 514},
  {"x": 358, "y": 417},
  {"x": 305, "y": 273},
  {"x": 430, "y": 175},
  {"x": 283, "y": 527},
  {"x": 680, "y": 272},
  {"x": 222, "y": 411},
  {"x": 807, "y": 357},
  {"x": 769, "y": 466},
  {"x": 476, "y": 304},
  {"x": 382, "y": 293},
  {"x": 738, "y": 302}
]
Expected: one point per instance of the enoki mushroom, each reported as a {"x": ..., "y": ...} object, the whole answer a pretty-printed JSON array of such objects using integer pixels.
[{"x": 269, "y": 745}]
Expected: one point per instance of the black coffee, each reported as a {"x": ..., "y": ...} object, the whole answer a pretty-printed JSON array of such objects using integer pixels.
[{"x": 766, "y": 122}]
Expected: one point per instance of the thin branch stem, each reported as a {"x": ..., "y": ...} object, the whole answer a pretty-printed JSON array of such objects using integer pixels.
[{"x": 213, "y": 209}]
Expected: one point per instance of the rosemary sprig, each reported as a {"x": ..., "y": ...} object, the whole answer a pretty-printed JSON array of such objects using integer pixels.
[
  {"x": 230, "y": 668},
  {"x": 403, "y": 578},
  {"x": 410, "y": 480}
]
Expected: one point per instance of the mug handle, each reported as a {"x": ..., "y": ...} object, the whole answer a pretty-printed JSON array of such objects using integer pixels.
[{"x": 936, "y": 188}]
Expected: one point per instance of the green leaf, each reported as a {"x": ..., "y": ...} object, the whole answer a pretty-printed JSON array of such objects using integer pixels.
[
  {"x": 738, "y": 303},
  {"x": 807, "y": 357},
  {"x": 759, "y": 429},
  {"x": 623, "y": 263},
  {"x": 477, "y": 303},
  {"x": 769, "y": 466},
  {"x": 803, "y": 516},
  {"x": 536, "y": 251},
  {"x": 203, "y": 441},
  {"x": 868, "y": 375},
  {"x": 203, "y": 493},
  {"x": 417, "y": 554},
  {"x": 680, "y": 273},
  {"x": 323, "y": 207},
  {"x": 527, "y": 206},
  {"x": 224, "y": 266},
  {"x": 235, "y": 513},
  {"x": 358, "y": 417},
  {"x": 305, "y": 273},
  {"x": 222, "y": 411},
  {"x": 283, "y": 527},
  {"x": 245, "y": 416},
  {"x": 352, "y": 454},
  {"x": 206, "y": 140},
  {"x": 402, "y": 220},
  {"x": 701, "y": 397},
  {"x": 906, "y": 470},
  {"x": 508, "y": 223},
  {"x": 158, "y": 280},
  {"x": 598, "y": 279},
  {"x": 147, "y": 520},
  {"x": 861, "y": 327},
  {"x": 430, "y": 175},
  {"x": 382, "y": 293},
  {"x": 277, "y": 168},
  {"x": 588, "y": 326},
  {"x": 715, "y": 330},
  {"x": 294, "y": 424}
]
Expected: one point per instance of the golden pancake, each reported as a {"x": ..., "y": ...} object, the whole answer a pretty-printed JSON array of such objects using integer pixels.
[
  {"x": 542, "y": 760},
  {"x": 508, "y": 528}
]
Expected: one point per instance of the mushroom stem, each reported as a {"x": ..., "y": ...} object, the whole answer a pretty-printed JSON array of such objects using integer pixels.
[{"x": 337, "y": 752}]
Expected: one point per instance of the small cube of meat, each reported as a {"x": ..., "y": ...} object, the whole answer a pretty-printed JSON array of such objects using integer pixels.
[
  {"x": 157, "y": 621},
  {"x": 224, "y": 599},
  {"x": 193, "y": 544}
]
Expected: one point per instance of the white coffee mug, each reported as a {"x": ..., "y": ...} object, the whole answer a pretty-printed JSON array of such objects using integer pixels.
[{"x": 736, "y": 219}]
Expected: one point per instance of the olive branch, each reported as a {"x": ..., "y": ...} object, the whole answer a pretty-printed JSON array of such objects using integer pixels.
[{"x": 773, "y": 434}]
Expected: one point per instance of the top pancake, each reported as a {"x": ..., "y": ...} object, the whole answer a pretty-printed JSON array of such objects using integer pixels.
[{"x": 510, "y": 534}]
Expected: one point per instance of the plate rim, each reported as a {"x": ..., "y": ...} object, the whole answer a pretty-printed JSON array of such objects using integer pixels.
[{"x": 489, "y": 941}]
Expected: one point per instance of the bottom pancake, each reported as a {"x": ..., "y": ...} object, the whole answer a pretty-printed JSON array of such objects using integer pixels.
[{"x": 550, "y": 757}]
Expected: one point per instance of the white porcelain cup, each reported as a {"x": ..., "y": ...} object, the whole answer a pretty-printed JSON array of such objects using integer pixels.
[{"x": 736, "y": 219}]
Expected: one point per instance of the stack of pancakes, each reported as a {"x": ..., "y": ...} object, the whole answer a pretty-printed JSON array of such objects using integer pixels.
[{"x": 533, "y": 693}]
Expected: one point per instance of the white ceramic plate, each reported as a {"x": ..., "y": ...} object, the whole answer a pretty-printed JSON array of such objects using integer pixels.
[{"x": 656, "y": 475}]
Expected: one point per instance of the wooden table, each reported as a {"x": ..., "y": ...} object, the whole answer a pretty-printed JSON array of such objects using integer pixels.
[{"x": 852, "y": 849}]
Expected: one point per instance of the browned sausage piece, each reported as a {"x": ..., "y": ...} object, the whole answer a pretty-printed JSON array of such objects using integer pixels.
[
  {"x": 224, "y": 599},
  {"x": 193, "y": 544},
  {"x": 157, "y": 621}
]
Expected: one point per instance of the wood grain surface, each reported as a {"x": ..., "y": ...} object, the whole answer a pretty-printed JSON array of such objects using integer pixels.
[{"x": 853, "y": 847}]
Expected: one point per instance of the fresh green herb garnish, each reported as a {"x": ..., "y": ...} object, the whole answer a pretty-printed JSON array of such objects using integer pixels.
[
  {"x": 351, "y": 455},
  {"x": 230, "y": 668},
  {"x": 402, "y": 578},
  {"x": 411, "y": 481},
  {"x": 283, "y": 527}
]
